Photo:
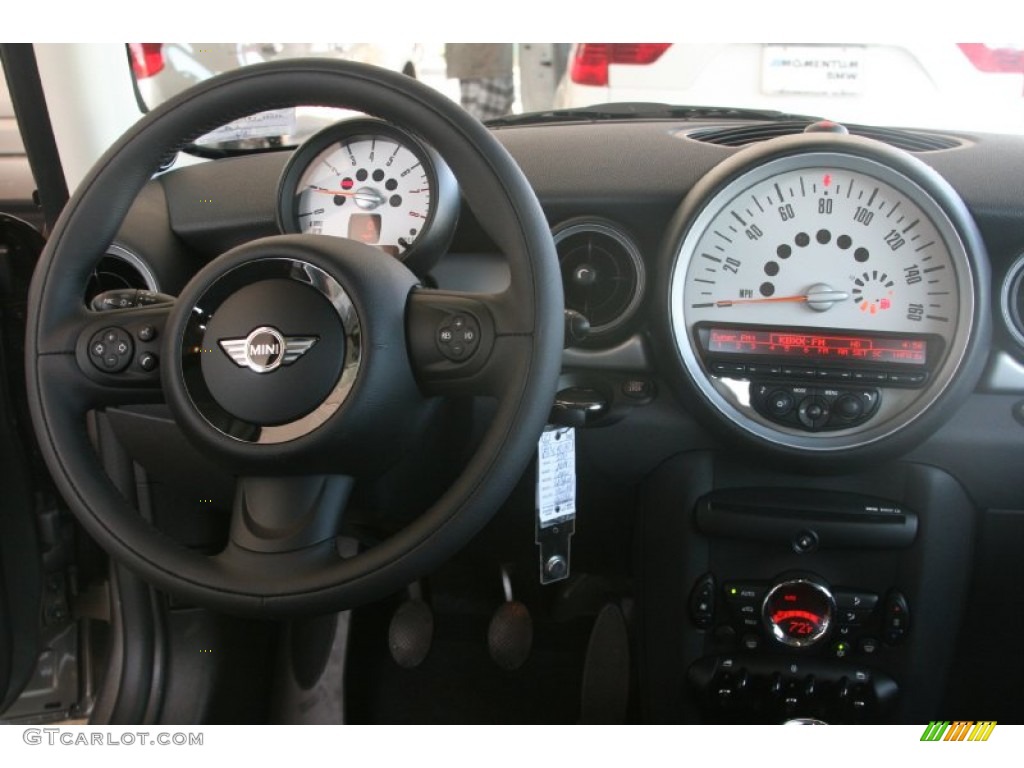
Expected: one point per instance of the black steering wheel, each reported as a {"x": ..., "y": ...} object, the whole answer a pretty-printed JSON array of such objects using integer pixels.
[{"x": 295, "y": 435}]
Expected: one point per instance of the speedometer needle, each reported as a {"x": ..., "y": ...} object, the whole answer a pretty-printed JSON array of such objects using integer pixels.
[
  {"x": 818, "y": 297},
  {"x": 770, "y": 300}
]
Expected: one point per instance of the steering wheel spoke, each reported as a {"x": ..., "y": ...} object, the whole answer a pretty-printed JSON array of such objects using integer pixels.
[
  {"x": 462, "y": 343},
  {"x": 115, "y": 358}
]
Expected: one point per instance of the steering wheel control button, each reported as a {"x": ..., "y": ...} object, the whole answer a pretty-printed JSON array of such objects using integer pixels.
[
  {"x": 110, "y": 350},
  {"x": 146, "y": 333},
  {"x": 458, "y": 337},
  {"x": 148, "y": 361}
]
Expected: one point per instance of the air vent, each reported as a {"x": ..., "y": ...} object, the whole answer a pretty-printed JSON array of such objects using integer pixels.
[
  {"x": 602, "y": 272},
  {"x": 751, "y": 133},
  {"x": 1012, "y": 300},
  {"x": 119, "y": 268}
]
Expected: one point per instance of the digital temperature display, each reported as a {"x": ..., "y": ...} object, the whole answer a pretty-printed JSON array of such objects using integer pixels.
[
  {"x": 818, "y": 346},
  {"x": 798, "y": 612}
]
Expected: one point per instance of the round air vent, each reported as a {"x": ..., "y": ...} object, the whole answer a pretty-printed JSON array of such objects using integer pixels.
[
  {"x": 1012, "y": 300},
  {"x": 602, "y": 272},
  {"x": 119, "y": 268}
]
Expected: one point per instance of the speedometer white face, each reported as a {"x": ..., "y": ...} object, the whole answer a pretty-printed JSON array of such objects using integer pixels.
[
  {"x": 821, "y": 300},
  {"x": 823, "y": 246}
]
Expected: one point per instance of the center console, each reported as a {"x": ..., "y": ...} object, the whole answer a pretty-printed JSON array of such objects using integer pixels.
[{"x": 772, "y": 595}]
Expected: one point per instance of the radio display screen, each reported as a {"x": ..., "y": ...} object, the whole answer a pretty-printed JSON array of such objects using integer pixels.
[{"x": 829, "y": 346}]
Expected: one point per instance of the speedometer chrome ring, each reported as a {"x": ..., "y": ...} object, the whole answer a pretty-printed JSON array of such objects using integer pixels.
[{"x": 825, "y": 293}]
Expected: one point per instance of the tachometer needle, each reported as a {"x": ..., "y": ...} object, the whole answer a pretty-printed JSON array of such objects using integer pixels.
[
  {"x": 818, "y": 297},
  {"x": 342, "y": 192}
]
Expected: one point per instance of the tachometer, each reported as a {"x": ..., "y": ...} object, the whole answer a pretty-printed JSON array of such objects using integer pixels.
[
  {"x": 824, "y": 299},
  {"x": 369, "y": 181}
]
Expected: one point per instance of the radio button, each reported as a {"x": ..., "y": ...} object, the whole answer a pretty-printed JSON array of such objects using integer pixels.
[
  {"x": 873, "y": 377},
  {"x": 912, "y": 379},
  {"x": 780, "y": 403},
  {"x": 813, "y": 412},
  {"x": 801, "y": 372},
  {"x": 729, "y": 369},
  {"x": 762, "y": 369}
]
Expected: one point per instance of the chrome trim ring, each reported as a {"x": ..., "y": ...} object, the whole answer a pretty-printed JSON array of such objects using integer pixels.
[
  {"x": 799, "y": 642},
  {"x": 194, "y": 341}
]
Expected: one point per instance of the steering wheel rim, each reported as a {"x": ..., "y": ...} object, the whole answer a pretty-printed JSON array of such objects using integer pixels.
[{"x": 526, "y": 353}]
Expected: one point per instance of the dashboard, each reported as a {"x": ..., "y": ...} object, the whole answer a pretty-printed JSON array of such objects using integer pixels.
[{"x": 804, "y": 372}]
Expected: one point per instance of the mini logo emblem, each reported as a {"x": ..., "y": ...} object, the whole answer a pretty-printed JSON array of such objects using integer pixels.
[{"x": 265, "y": 349}]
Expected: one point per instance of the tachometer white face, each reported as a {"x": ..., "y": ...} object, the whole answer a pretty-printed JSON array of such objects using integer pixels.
[
  {"x": 822, "y": 301},
  {"x": 823, "y": 246},
  {"x": 368, "y": 188}
]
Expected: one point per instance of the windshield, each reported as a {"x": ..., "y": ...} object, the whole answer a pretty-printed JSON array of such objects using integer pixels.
[{"x": 965, "y": 86}]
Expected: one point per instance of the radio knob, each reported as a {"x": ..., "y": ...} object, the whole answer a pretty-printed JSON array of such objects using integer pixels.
[
  {"x": 813, "y": 412},
  {"x": 849, "y": 407},
  {"x": 780, "y": 402}
]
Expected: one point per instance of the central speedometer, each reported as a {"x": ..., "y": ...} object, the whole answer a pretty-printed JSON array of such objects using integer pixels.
[
  {"x": 823, "y": 299},
  {"x": 824, "y": 244}
]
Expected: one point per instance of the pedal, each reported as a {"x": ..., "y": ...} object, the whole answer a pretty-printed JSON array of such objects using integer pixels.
[
  {"x": 605, "y": 694},
  {"x": 411, "y": 631},
  {"x": 510, "y": 634}
]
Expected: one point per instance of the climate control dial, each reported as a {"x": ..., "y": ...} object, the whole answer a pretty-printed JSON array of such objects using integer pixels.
[{"x": 798, "y": 612}]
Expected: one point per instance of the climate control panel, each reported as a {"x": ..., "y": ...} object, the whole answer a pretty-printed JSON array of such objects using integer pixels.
[
  {"x": 799, "y": 612},
  {"x": 794, "y": 646}
]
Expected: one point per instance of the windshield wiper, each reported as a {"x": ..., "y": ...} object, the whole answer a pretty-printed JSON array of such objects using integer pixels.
[{"x": 644, "y": 110}]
